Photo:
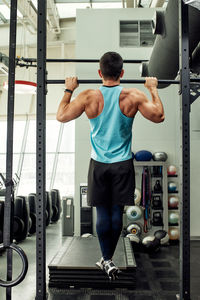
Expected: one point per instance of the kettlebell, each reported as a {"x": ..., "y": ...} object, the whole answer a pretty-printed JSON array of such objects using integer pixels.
[
  {"x": 157, "y": 219},
  {"x": 157, "y": 187},
  {"x": 156, "y": 202}
]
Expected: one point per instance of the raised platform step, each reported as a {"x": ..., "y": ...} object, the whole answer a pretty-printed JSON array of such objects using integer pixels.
[{"x": 74, "y": 265}]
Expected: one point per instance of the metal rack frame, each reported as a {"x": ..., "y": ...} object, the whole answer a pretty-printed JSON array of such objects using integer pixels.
[{"x": 41, "y": 292}]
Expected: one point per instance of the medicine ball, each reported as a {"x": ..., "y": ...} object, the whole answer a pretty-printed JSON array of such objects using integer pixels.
[
  {"x": 171, "y": 170},
  {"x": 160, "y": 156},
  {"x": 143, "y": 155},
  {"x": 134, "y": 213},
  {"x": 151, "y": 244},
  {"x": 174, "y": 233},
  {"x": 162, "y": 236},
  {"x": 134, "y": 228},
  {"x": 173, "y": 218},
  {"x": 173, "y": 202},
  {"x": 172, "y": 187}
]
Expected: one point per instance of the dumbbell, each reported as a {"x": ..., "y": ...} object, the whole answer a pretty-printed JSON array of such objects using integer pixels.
[
  {"x": 56, "y": 205},
  {"x": 21, "y": 219},
  {"x": 32, "y": 209},
  {"x": 48, "y": 208}
]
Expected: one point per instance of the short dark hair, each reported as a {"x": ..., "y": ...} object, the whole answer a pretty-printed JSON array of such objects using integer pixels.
[{"x": 111, "y": 64}]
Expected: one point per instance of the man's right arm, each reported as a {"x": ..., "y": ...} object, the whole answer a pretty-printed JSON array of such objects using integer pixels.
[{"x": 151, "y": 110}]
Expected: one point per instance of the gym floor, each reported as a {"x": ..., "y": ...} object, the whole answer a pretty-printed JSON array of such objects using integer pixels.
[{"x": 157, "y": 274}]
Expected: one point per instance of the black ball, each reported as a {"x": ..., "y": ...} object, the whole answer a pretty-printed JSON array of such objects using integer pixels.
[
  {"x": 151, "y": 244},
  {"x": 162, "y": 236}
]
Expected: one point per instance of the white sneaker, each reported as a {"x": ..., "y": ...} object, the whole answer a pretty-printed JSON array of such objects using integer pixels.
[
  {"x": 100, "y": 264},
  {"x": 110, "y": 269}
]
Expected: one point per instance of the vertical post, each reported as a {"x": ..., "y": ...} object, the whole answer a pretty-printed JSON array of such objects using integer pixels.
[
  {"x": 185, "y": 141},
  {"x": 9, "y": 200},
  {"x": 41, "y": 154}
]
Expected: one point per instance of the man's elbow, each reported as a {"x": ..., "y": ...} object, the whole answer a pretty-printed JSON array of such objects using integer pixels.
[
  {"x": 160, "y": 118},
  {"x": 60, "y": 118}
]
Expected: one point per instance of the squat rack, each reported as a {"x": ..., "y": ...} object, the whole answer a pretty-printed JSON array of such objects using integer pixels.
[{"x": 41, "y": 292}]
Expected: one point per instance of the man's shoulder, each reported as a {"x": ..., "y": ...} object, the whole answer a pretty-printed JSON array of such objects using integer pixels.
[
  {"x": 90, "y": 96},
  {"x": 130, "y": 94},
  {"x": 131, "y": 91},
  {"x": 89, "y": 92}
]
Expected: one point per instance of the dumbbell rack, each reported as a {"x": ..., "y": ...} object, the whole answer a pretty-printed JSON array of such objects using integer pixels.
[{"x": 164, "y": 183}]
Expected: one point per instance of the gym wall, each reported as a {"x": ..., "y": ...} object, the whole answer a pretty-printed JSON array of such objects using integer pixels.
[{"x": 98, "y": 32}]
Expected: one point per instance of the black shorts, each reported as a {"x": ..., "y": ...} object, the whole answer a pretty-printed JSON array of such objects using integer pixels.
[{"x": 110, "y": 184}]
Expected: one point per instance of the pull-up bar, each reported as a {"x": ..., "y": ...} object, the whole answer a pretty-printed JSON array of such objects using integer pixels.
[
  {"x": 125, "y": 81},
  {"x": 77, "y": 60}
]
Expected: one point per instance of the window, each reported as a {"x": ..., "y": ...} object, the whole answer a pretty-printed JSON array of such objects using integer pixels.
[
  {"x": 136, "y": 34},
  {"x": 60, "y": 148}
]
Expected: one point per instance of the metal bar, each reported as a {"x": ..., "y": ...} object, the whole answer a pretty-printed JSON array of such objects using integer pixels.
[
  {"x": 41, "y": 154},
  {"x": 126, "y": 61},
  {"x": 74, "y": 60},
  {"x": 99, "y": 81},
  {"x": 184, "y": 292},
  {"x": 9, "y": 199}
]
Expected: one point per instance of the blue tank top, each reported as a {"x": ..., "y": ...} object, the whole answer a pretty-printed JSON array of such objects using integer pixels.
[{"x": 111, "y": 131}]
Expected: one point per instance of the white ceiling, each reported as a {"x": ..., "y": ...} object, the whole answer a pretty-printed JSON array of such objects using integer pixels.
[{"x": 67, "y": 8}]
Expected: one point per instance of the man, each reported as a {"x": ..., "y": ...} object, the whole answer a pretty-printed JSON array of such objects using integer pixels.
[{"x": 111, "y": 179}]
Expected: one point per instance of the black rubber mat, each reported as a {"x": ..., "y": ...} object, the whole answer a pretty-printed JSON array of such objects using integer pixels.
[
  {"x": 154, "y": 280},
  {"x": 157, "y": 279},
  {"x": 74, "y": 265}
]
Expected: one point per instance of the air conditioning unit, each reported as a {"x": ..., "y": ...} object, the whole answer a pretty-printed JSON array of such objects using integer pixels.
[{"x": 3, "y": 69}]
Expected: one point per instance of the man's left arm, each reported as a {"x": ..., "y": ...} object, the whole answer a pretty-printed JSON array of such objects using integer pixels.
[{"x": 67, "y": 110}]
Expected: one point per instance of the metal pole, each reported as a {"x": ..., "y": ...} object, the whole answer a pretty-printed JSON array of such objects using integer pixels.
[
  {"x": 74, "y": 60},
  {"x": 123, "y": 81},
  {"x": 9, "y": 200},
  {"x": 184, "y": 292},
  {"x": 41, "y": 154}
]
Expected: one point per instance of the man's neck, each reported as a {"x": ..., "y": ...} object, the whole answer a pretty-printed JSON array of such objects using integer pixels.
[{"x": 110, "y": 82}]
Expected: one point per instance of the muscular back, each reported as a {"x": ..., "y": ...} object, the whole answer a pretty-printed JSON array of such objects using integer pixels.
[
  {"x": 127, "y": 103},
  {"x": 130, "y": 101}
]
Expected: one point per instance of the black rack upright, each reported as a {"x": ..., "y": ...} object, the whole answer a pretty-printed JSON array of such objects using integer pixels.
[
  {"x": 41, "y": 153},
  {"x": 185, "y": 151}
]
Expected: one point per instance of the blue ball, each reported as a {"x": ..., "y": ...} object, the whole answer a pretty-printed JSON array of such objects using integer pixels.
[
  {"x": 143, "y": 155},
  {"x": 172, "y": 187}
]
